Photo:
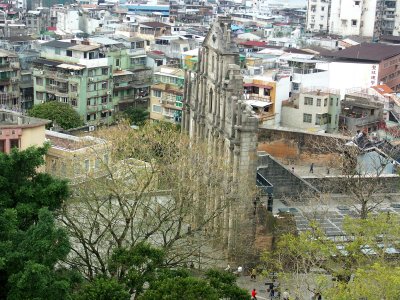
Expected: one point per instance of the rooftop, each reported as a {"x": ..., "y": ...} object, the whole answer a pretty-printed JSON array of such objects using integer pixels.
[
  {"x": 58, "y": 44},
  {"x": 155, "y": 24},
  {"x": 82, "y": 47},
  {"x": 367, "y": 52},
  {"x": 5, "y": 53},
  {"x": 68, "y": 142},
  {"x": 10, "y": 119}
]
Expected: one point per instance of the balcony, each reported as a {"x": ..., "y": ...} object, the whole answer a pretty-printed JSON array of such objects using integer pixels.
[
  {"x": 354, "y": 121},
  {"x": 8, "y": 96},
  {"x": 5, "y": 81}
]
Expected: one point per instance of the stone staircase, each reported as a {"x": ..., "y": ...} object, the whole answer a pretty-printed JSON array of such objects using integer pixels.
[{"x": 285, "y": 183}]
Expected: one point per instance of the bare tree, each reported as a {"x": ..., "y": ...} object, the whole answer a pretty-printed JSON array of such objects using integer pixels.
[
  {"x": 362, "y": 172},
  {"x": 158, "y": 186}
]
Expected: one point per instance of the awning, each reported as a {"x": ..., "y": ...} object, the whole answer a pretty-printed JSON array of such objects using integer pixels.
[
  {"x": 268, "y": 87},
  {"x": 46, "y": 62},
  {"x": 257, "y": 103},
  {"x": 122, "y": 88},
  {"x": 70, "y": 67}
]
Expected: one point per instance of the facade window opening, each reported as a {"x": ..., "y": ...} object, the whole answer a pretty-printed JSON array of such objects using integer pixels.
[{"x": 210, "y": 101}]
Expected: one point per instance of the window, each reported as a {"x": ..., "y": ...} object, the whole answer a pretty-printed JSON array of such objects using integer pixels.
[
  {"x": 356, "y": 3},
  {"x": 39, "y": 96},
  {"x": 325, "y": 101},
  {"x": 157, "y": 109},
  {"x": 73, "y": 88},
  {"x": 104, "y": 85},
  {"x": 74, "y": 102},
  {"x": 318, "y": 119},
  {"x": 14, "y": 143},
  {"x": 117, "y": 62},
  {"x": 63, "y": 168},
  {"x": 331, "y": 101},
  {"x": 97, "y": 164},
  {"x": 69, "y": 53},
  {"x": 104, "y": 99},
  {"x": 57, "y": 51},
  {"x": 91, "y": 72},
  {"x": 308, "y": 101},
  {"x": 2, "y": 146},
  {"x": 104, "y": 71},
  {"x": 337, "y": 102},
  {"x": 103, "y": 114},
  {"x": 318, "y": 102},
  {"x": 307, "y": 118},
  {"x": 39, "y": 81},
  {"x": 353, "y": 22},
  {"x": 157, "y": 94},
  {"x": 322, "y": 8}
]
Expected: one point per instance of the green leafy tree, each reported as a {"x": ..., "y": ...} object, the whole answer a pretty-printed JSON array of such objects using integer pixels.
[
  {"x": 136, "y": 265},
  {"x": 309, "y": 260},
  {"x": 189, "y": 288},
  {"x": 31, "y": 245},
  {"x": 137, "y": 116},
  {"x": 375, "y": 282},
  {"x": 103, "y": 289},
  {"x": 225, "y": 285},
  {"x": 179, "y": 284},
  {"x": 60, "y": 113}
]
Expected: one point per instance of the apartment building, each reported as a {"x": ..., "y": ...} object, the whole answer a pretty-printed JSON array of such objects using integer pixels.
[
  {"x": 167, "y": 94},
  {"x": 370, "y": 18},
  {"x": 360, "y": 111},
  {"x": 10, "y": 76},
  {"x": 313, "y": 109},
  {"x": 318, "y": 14},
  {"x": 82, "y": 74},
  {"x": 37, "y": 21},
  {"x": 370, "y": 63}
]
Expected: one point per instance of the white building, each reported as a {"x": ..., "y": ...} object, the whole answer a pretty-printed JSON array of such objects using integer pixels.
[
  {"x": 318, "y": 15},
  {"x": 370, "y": 18}
]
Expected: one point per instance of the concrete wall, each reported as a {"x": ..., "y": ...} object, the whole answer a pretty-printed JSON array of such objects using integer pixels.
[
  {"x": 388, "y": 184},
  {"x": 33, "y": 136}
]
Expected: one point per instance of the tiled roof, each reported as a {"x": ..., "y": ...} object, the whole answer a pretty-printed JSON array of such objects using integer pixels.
[
  {"x": 254, "y": 44},
  {"x": 367, "y": 52},
  {"x": 58, "y": 44},
  {"x": 155, "y": 24}
]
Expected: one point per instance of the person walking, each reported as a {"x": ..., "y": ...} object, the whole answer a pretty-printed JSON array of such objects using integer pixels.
[
  {"x": 253, "y": 274},
  {"x": 254, "y": 294},
  {"x": 312, "y": 168},
  {"x": 285, "y": 295}
]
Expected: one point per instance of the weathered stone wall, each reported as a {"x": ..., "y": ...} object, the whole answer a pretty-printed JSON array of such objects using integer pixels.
[
  {"x": 388, "y": 185},
  {"x": 298, "y": 146}
]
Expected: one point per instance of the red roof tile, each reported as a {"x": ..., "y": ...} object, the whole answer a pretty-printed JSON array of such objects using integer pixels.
[{"x": 254, "y": 44}]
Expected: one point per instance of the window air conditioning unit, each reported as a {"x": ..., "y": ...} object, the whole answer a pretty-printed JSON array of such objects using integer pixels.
[
  {"x": 92, "y": 128},
  {"x": 108, "y": 92},
  {"x": 91, "y": 79}
]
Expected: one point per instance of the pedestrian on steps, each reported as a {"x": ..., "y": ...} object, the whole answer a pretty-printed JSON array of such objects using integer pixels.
[{"x": 254, "y": 294}]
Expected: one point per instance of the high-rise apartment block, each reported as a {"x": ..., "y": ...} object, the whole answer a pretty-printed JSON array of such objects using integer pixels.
[{"x": 369, "y": 18}]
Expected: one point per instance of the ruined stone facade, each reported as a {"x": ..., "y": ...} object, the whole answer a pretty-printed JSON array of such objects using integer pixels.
[{"x": 214, "y": 111}]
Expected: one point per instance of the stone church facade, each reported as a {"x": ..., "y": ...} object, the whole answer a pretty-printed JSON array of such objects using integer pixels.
[{"x": 214, "y": 111}]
